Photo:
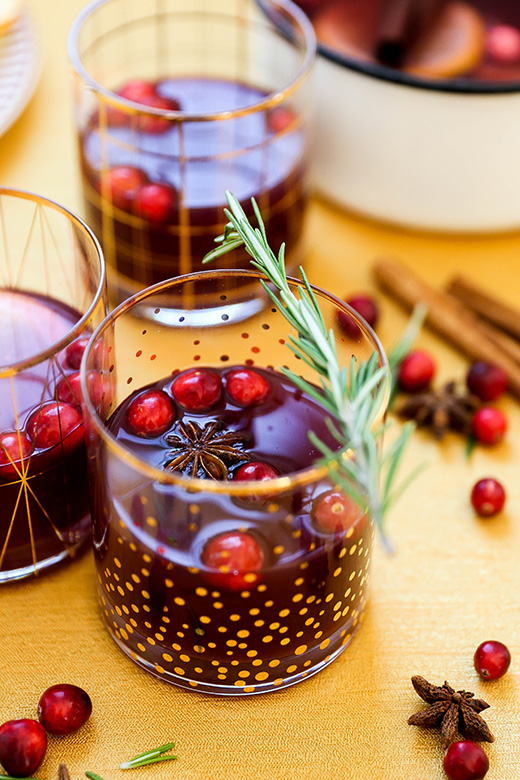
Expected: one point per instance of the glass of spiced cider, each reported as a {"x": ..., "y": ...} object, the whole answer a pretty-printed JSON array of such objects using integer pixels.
[
  {"x": 228, "y": 561},
  {"x": 175, "y": 103},
  {"x": 52, "y": 296}
]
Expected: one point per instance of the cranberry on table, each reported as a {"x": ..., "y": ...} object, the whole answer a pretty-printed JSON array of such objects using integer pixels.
[
  {"x": 366, "y": 306},
  {"x": 74, "y": 352},
  {"x": 150, "y": 413},
  {"x": 492, "y": 660},
  {"x": 487, "y": 381},
  {"x": 14, "y": 445},
  {"x": 465, "y": 761},
  {"x": 122, "y": 184},
  {"x": 63, "y": 709},
  {"x": 236, "y": 558},
  {"x": 23, "y": 743},
  {"x": 416, "y": 371},
  {"x": 489, "y": 425},
  {"x": 155, "y": 202},
  {"x": 197, "y": 390},
  {"x": 255, "y": 470},
  {"x": 51, "y": 423},
  {"x": 335, "y": 512},
  {"x": 246, "y": 387},
  {"x": 488, "y": 497}
]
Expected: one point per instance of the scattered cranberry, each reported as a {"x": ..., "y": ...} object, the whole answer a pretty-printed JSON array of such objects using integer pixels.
[
  {"x": 74, "y": 352},
  {"x": 416, "y": 371},
  {"x": 121, "y": 184},
  {"x": 236, "y": 558},
  {"x": 487, "y": 381},
  {"x": 335, "y": 512},
  {"x": 280, "y": 118},
  {"x": 465, "y": 761},
  {"x": 489, "y": 425},
  {"x": 156, "y": 125},
  {"x": 63, "y": 709},
  {"x": 23, "y": 744},
  {"x": 503, "y": 43},
  {"x": 492, "y": 660},
  {"x": 69, "y": 389},
  {"x": 197, "y": 390},
  {"x": 488, "y": 497},
  {"x": 155, "y": 202},
  {"x": 150, "y": 413},
  {"x": 366, "y": 307},
  {"x": 51, "y": 423},
  {"x": 257, "y": 471},
  {"x": 14, "y": 445},
  {"x": 246, "y": 387}
]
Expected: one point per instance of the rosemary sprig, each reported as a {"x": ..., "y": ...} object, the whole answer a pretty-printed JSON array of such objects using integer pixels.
[
  {"x": 149, "y": 757},
  {"x": 353, "y": 395},
  {"x": 93, "y": 776}
]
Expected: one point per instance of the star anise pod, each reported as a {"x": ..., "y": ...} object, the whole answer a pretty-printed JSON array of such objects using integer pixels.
[
  {"x": 454, "y": 711},
  {"x": 440, "y": 410},
  {"x": 205, "y": 452}
]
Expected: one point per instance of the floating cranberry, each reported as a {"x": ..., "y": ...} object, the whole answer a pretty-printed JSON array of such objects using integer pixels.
[
  {"x": 150, "y": 413},
  {"x": 280, "y": 118},
  {"x": 335, "y": 512},
  {"x": 236, "y": 558},
  {"x": 487, "y": 381},
  {"x": 416, "y": 371},
  {"x": 156, "y": 125},
  {"x": 121, "y": 185},
  {"x": 69, "y": 388},
  {"x": 366, "y": 307},
  {"x": 246, "y": 387},
  {"x": 51, "y": 423},
  {"x": 137, "y": 90},
  {"x": 23, "y": 744},
  {"x": 74, "y": 352},
  {"x": 63, "y": 709},
  {"x": 489, "y": 425},
  {"x": 257, "y": 471},
  {"x": 465, "y": 761},
  {"x": 492, "y": 660},
  {"x": 197, "y": 390},
  {"x": 155, "y": 202},
  {"x": 488, "y": 497},
  {"x": 503, "y": 44},
  {"x": 14, "y": 445}
]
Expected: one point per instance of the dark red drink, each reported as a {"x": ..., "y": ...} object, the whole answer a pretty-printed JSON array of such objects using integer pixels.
[{"x": 252, "y": 582}]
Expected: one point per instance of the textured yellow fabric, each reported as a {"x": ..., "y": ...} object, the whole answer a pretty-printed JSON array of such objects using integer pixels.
[{"x": 453, "y": 582}]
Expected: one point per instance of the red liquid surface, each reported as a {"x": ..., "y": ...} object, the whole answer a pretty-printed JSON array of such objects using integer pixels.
[
  {"x": 166, "y": 607},
  {"x": 199, "y": 161},
  {"x": 44, "y": 495}
]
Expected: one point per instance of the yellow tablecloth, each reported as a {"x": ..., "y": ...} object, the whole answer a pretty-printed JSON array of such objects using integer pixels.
[{"x": 453, "y": 582}]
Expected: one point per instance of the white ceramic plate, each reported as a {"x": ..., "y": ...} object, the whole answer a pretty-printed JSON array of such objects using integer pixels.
[{"x": 20, "y": 65}]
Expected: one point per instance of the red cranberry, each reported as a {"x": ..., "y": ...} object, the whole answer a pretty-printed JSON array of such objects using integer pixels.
[
  {"x": 487, "y": 381},
  {"x": 416, "y": 371},
  {"x": 366, "y": 307},
  {"x": 155, "y": 125},
  {"x": 23, "y": 744},
  {"x": 236, "y": 558},
  {"x": 51, "y": 423},
  {"x": 14, "y": 445},
  {"x": 137, "y": 90},
  {"x": 63, "y": 709},
  {"x": 197, "y": 390},
  {"x": 69, "y": 389},
  {"x": 155, "y": 202},
  {"x": 335, "y": 512},
  {"x": 488, "y": 497},
  {"x": 465, "y": 761},
  {"x": 489, "y": 425},
  {"x": 121, "y": 184},
  {"x": 255, "y": 470},
  {"x": 150, "y": 413},
  {"x": 280, "y": 118},
  {"x": 492, "y": 660},
  {"x": 503, "y": 43},
  {"x": 74, "y": 352},
  {"x": 246, "y": 387}
]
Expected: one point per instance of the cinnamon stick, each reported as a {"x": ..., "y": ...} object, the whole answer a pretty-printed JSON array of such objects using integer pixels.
[
  {"x": 485, "y": 305},
  {"x": 450, "y": 318}
]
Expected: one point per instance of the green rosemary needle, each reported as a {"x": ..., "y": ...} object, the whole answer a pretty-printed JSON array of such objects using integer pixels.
[
  {"x": 352, "y": 394},
  {"x": 153, "y": 756},
  {"x": 93, "y": 776}
]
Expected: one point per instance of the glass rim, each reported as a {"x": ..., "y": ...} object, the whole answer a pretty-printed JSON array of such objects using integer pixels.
[
  {"x": 278, "y": 96},
  {"x": 274, "y": 486},
  {"x": 78, "y": 327}
]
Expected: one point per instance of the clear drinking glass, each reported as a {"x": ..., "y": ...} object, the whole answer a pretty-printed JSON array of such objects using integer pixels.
[
  {"x": 52, "y": 296},
  {"x": 223, "y": 585},
  {"x": 176, "y": 102}
]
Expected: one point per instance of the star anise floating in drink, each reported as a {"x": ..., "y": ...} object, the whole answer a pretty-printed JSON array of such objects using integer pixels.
[
  {"x": 205, "y": 452},
  {"x": 441, "y": 410},
  {"x": 454, "y": 711}
]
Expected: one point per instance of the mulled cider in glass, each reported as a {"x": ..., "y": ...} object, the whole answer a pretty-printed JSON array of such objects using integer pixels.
[
  {"x": 227, "y": 559},
  {"x": 52, "y": 296},
  {"x": 175, "y": 103}
]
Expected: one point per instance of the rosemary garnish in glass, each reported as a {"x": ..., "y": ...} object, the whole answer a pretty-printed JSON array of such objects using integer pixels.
[{"x": 354, "y": 394}]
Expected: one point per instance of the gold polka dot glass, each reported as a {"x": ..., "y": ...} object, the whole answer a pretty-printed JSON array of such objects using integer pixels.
[
  {"x": 52, "y": 296},
  {"x": 165, "y": 605}
]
